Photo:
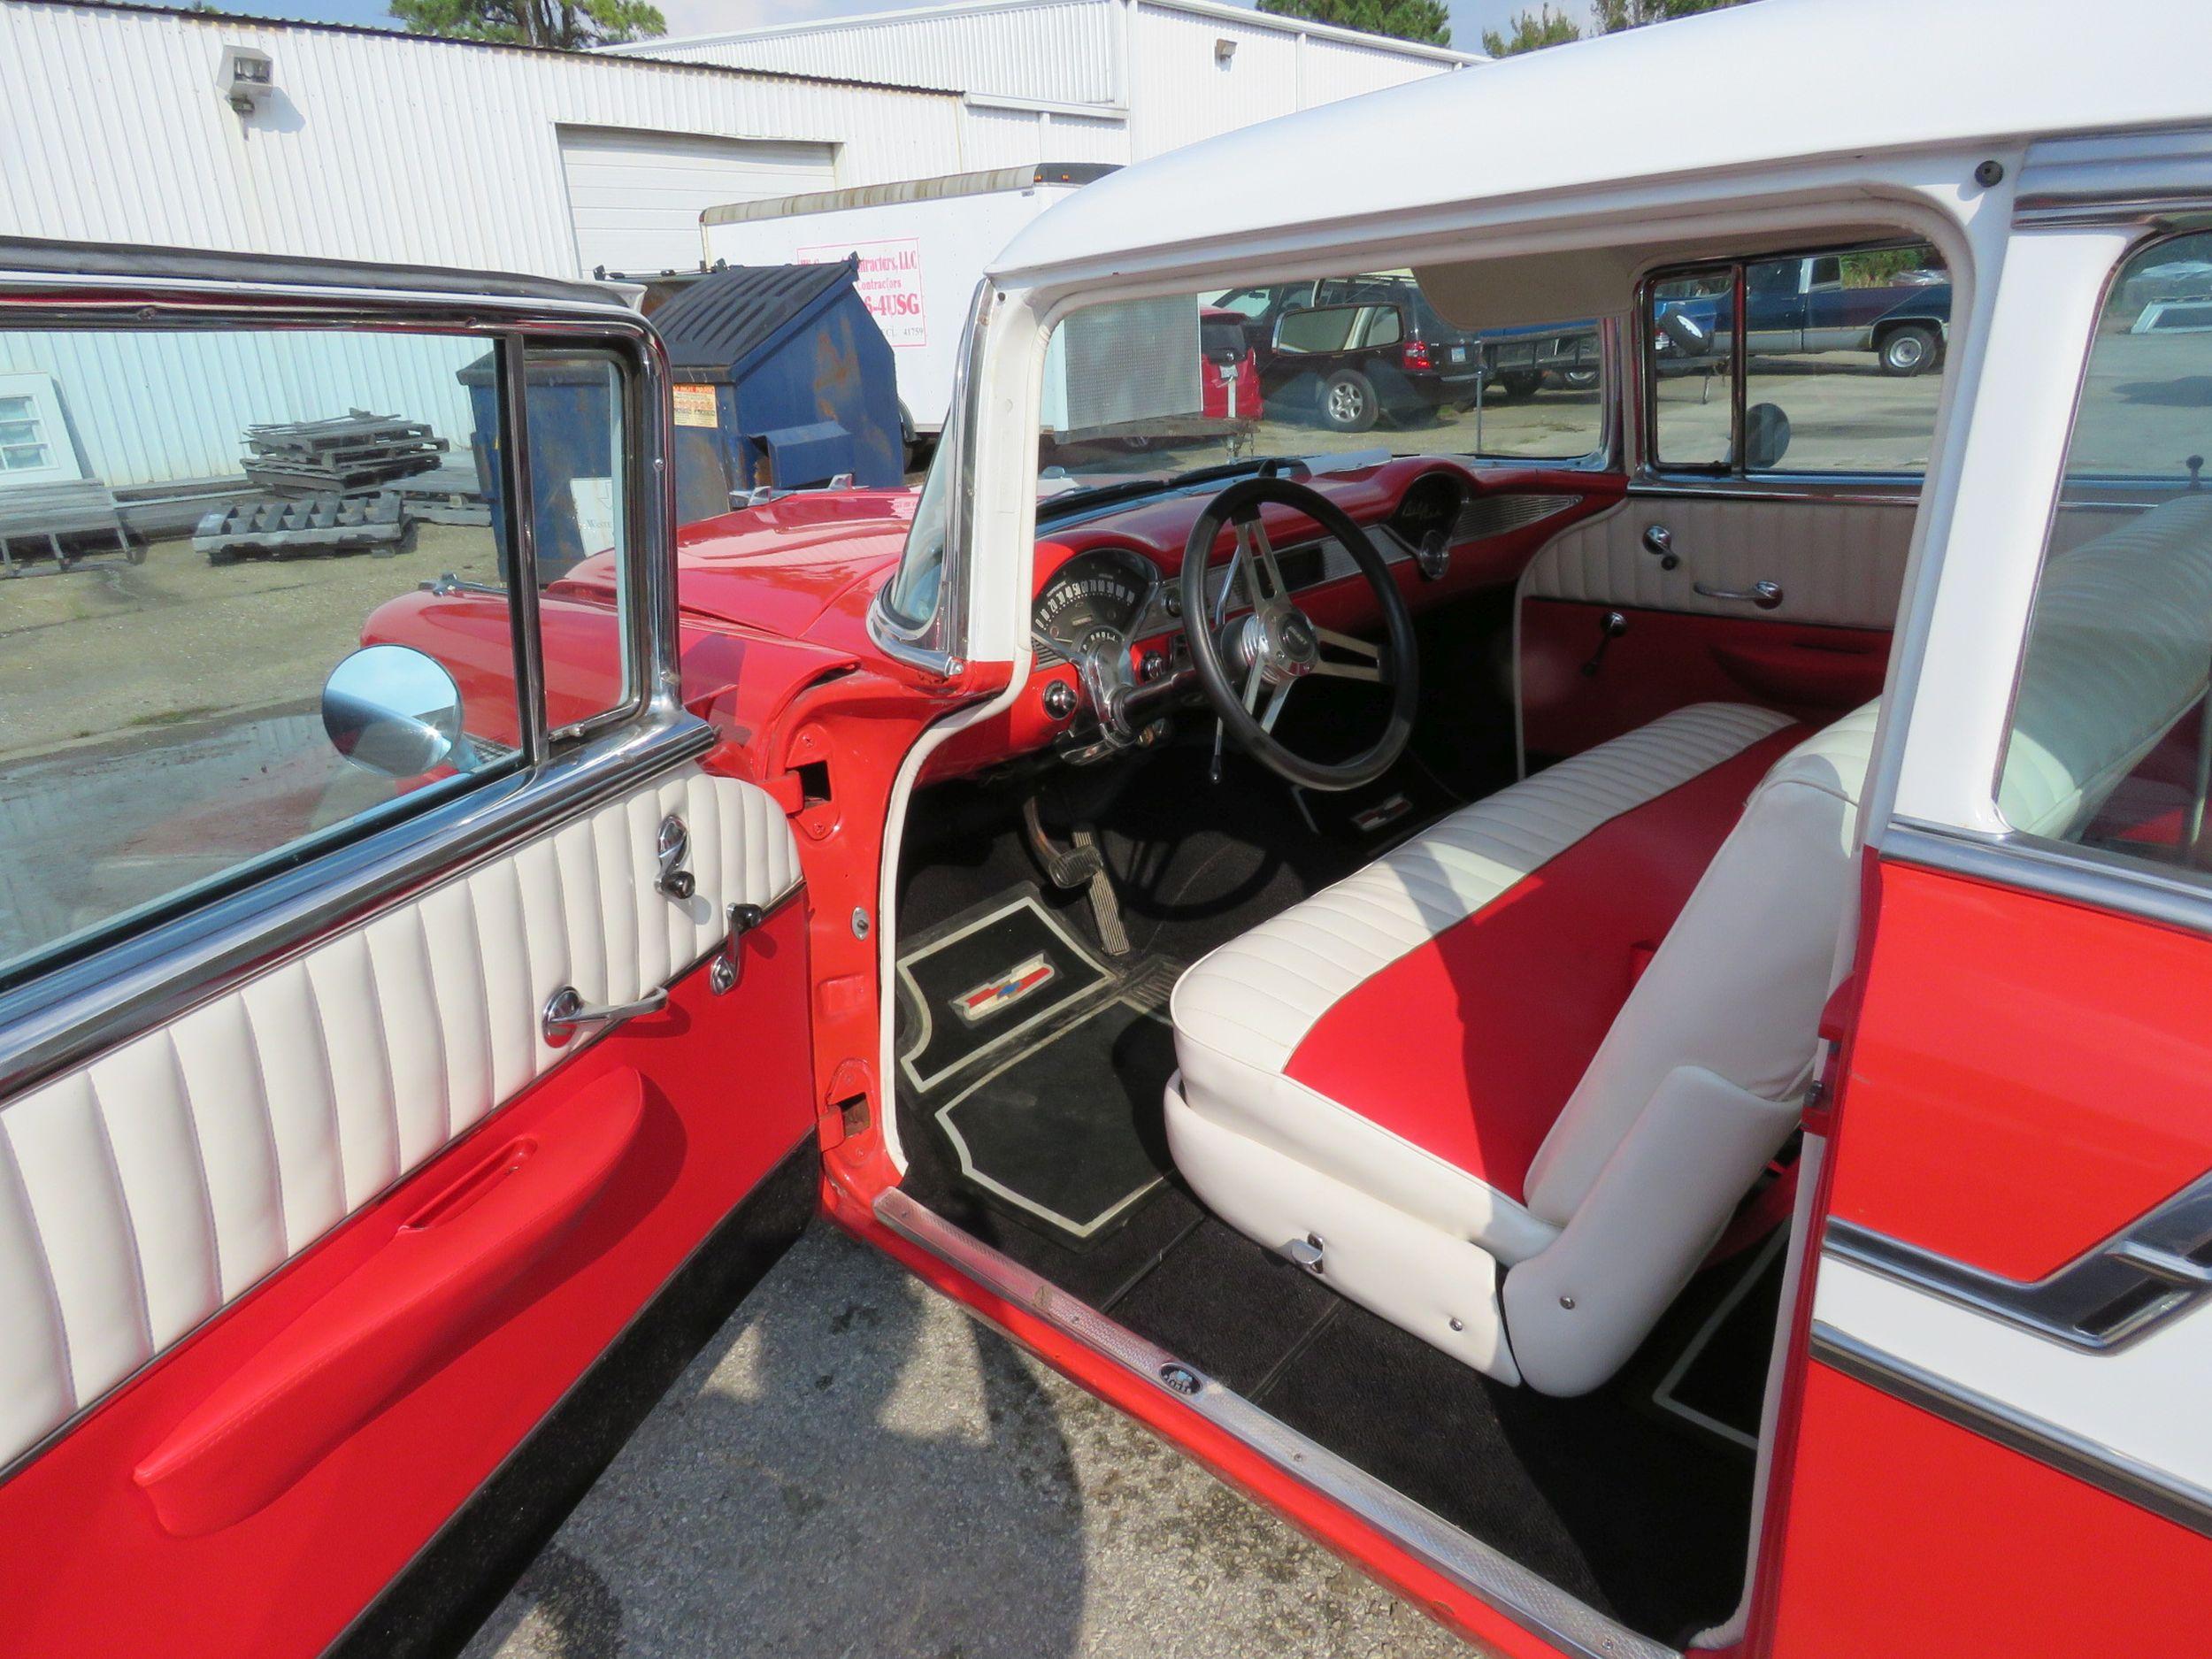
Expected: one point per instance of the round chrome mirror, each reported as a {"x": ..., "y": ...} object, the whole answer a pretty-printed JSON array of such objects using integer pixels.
[
  {"x": 390, "y": 708},
  {"x": 1766, "y": 436}
]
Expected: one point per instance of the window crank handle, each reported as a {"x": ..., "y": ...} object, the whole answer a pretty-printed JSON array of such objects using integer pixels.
[
  {"x": 1614, "y": 625},
  {"x": 723, "y": 976}
]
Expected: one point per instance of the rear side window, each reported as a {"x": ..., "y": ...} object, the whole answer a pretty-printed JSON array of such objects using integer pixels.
[
  {"x": 2111, "y": 738},
  {"x": 1803, "y": 364}
]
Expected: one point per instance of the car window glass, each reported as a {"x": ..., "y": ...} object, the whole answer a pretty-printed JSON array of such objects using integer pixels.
[
  {"x": 1359, "y": 363},
  {"x": 2110, "y": 744},
  {"x": 577, "y": 418},
  {"x": 1840, "y": 365},
  {"x": 202, "y": 527}
]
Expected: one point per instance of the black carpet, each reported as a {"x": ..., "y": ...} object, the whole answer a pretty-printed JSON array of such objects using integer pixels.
[
  {"x": 1070, "y": 1132},
  {"x": 1718, "y": 1383}
]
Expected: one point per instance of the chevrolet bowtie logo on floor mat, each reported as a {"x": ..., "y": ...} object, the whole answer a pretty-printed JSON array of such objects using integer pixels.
[{"x": 996, "y": 996}]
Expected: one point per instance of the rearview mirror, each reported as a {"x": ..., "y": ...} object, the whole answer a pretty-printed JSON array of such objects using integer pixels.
[{"x": 390, "y": 708}]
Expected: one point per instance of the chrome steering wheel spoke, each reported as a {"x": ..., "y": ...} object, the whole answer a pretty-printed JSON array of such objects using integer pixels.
[{"x": 1366, "y": 662}]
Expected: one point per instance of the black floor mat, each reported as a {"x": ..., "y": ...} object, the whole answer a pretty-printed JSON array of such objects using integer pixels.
[
  {"x": 1068, "y": 1130},
  {"x": 974, "y": 989}
]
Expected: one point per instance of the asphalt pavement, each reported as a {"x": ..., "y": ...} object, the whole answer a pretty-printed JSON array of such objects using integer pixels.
[{"x": 854, "y": 1468}]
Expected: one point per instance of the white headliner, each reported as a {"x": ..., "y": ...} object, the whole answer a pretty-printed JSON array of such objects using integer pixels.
[{"x": 1774, "y": 81}]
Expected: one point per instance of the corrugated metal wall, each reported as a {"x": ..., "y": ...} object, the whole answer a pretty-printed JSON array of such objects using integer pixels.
[
  {"x": 375, "y": 148},
  {"x": 1060, "y": 51},
  {"x": 149, "y": 408},
  {"x": 1150, "y": 68},
  {"x": 998, "y": 137}
]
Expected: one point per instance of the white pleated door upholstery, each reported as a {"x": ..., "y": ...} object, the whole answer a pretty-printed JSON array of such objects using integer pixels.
[
  {"x": 145, "y": 1190},
  {"x": 1838, "y": 563}
]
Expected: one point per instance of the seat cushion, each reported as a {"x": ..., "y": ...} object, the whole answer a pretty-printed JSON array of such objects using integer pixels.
[{"x": 1396, "y": 1011}]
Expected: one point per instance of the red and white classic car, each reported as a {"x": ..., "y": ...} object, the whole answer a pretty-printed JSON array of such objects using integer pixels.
[{"x": 1601, "y": 1002}]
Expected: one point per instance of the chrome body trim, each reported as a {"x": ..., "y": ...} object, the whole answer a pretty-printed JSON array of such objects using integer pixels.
[
  {"x": 2115, "y": 178},
  {"x": 2100, "y": 1465},
  {"x": 1526, "y": 1598},
  {"x": 2111, "y": 1296},
  {"x": 2058, "y": 869},
  {"x": 120, "y": 986}
]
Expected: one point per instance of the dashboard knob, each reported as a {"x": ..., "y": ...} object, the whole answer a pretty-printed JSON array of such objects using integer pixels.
[
  {"x": 1174, "y": 599},
  {"x": 1150, "y": 666},
  {"x": 1059, "y": 699}
]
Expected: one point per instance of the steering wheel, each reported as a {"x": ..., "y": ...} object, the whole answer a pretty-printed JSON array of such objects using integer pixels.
[{"x": 1265, "y": 652}]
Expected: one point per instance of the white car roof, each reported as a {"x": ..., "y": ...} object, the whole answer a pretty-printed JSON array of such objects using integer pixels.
[{"x": 1774, "y": 81}]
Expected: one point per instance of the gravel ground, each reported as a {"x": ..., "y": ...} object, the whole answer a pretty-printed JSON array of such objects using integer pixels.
[{"x": 853, "y": 1467}]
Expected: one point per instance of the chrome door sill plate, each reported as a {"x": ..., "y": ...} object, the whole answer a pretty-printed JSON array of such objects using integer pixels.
[{"x": 1528, "y": 1599}]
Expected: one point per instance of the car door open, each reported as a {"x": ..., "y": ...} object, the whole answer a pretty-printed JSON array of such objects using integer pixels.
[{"x": 392, "y": 998}]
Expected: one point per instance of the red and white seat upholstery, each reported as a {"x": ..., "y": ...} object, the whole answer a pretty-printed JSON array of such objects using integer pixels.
[{"x": 1514, "y": 1077}]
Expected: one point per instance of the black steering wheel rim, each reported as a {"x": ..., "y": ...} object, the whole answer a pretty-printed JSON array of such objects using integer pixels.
[{"x": 1289, "y": 651}]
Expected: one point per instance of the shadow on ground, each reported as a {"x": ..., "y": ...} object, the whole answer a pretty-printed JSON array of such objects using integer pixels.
[{"x": 852, "y": 1467}]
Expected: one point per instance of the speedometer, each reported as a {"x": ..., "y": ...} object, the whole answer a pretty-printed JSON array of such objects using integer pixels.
[{"x": 1093, "y": 601}]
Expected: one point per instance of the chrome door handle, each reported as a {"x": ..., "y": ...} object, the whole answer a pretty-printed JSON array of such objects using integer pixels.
[
  {"x": 729, "y": 961},
  {"x": 565, "y": 1009},
  {"x": 1766, "y": 595},
  {"x": 672, "y": 849}
]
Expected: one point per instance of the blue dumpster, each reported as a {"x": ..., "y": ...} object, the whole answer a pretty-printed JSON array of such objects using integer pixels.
[
  {"x": 571, "y": 438},
  {"x": 782, "y": 380}
]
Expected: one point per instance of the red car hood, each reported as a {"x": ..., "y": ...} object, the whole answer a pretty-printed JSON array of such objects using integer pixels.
[{"x": 779, "y": 566}]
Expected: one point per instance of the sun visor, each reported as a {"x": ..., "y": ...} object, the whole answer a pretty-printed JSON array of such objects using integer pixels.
[{"x": 1532, "y": 289}]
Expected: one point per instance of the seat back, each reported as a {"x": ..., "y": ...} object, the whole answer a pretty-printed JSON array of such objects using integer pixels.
[{"x": 1698, "y": 1079}]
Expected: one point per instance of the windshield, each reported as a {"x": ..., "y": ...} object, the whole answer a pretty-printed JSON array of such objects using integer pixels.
[
  {"x": 1141, "y": 395},
  {"x": 1146, "y": 396}
]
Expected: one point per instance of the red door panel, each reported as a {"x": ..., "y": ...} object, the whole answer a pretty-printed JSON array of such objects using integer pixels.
[
  {"x": 1910, "y": 1538},
  {"x": 2027, "y": 1077},
  {"x": 684, "y": 1113},
  {"x": 1668, "y": 659}
]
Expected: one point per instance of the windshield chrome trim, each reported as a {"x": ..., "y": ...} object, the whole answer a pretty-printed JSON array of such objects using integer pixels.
[
  {"x": 936, "y": 643},
  {"x": 1526, "y": 1597}
]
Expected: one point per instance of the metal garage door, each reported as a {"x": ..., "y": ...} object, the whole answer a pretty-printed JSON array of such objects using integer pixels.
[{"x": 636, "y": 196}]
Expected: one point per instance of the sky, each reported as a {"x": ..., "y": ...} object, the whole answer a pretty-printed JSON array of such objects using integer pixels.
[{"x": 1469, "y": 17}]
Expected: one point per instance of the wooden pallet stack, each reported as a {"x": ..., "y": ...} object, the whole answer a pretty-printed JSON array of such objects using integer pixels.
[{"x": 344, "y": 456}]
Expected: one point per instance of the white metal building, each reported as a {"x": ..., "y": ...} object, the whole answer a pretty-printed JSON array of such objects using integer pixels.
[
  {"x": 1084, "y": 80},
  {"x": 377, "y": 145}
]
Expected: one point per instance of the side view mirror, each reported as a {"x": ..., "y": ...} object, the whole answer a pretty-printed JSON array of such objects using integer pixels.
[
  {"x": 1685, "y": 335},
  {"x": 390, "y": 708},
  {"x": 1766, "y": 436}
]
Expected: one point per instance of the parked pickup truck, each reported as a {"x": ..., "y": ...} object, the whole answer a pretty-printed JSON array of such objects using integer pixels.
[{"x": 1804, "y": 305}]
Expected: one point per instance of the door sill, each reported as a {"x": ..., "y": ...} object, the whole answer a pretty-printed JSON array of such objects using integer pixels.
[{"x": 1528, "y": 1599}]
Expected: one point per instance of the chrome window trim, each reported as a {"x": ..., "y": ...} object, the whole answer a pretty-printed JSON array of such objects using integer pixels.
[
  {"x": 2180, "y": 1501},
  {"x": 2058, "y": 869},
  {"x": 148, "y": 978},
  {"x": 147, "y": 975},
  {"x": 1649, "y": 474},
  {"x": 1527, "y": 1597}
]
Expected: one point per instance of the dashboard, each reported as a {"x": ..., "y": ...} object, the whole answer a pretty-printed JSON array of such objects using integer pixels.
[{"x": 1110, "y": 585}]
